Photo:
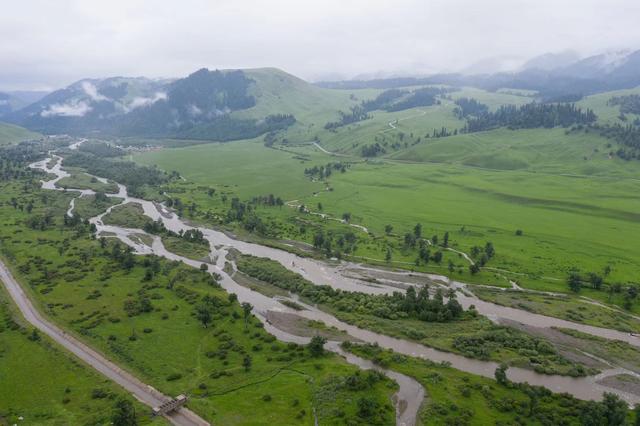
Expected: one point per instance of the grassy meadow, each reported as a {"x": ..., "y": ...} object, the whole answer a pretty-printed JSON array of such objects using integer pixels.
[
  {"x": 43, "y": 384},
  {"x": 140, "y": 313},
  {"x": 12, "y": 134},
  {"x": 574, "y": 213}
]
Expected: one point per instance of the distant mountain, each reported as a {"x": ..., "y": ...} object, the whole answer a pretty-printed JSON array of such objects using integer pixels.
[
  {"x": 549, "y": 75},
  {"x": 551, "y": 61},
  {"x": 15, "y": 100},
  {"x": 493, "y": 65},
  {"x": 199, "y": 106}
]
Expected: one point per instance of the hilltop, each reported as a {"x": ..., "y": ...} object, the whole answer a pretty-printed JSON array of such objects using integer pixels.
[{"x": 212, "y": 105}]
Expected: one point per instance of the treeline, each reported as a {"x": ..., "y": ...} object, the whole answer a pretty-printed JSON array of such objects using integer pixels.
[
  {"x": 226, "y": 128},
  {"x": 125, "y": 172},
  {"x": 629, "y": 104},
  {"x": 322, "y": 172},
  {"x": 525, "y": 403},
  {"x": 469, "y": 107},
  {"x": 267, "y": 200},
  {"x": 372, "y": 150},
  {"x": 383, "y": 100},
  {"x": 244, "y": 213},
  {"x": 628, "y": 135},
  {"x": 629, "y": 292},
  {"x": 334, "y": 245},
  {"x": 529, "y": 116},
  {"x": 392, "y": 100},
  {"x": 101, "y": 149},
  {"x": 417, "y": 305},
  {"x": 357, "y": 113},
  {"x": 420, "y": 97}
]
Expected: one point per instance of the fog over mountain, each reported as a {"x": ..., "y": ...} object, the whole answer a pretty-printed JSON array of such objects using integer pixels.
[{"x": 49, "y": 45}]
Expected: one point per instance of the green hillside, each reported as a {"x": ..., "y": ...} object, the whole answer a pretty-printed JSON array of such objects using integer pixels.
[
  {"x": 10, "y": 134},
  {"x": 571, "y": 198},
  {"x": 607, "y": 113},
  {"x": 541, "y": 150}
]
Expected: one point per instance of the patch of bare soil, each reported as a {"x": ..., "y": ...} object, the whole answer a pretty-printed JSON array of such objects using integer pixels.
[
  {"x": 300, "y": 326},
  {"x": 624, "y": 382},
  {"x": 568, "y": 346}
]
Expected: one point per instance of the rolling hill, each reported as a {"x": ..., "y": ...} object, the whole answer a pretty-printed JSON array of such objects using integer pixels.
[
  {"x": 207, "y": 105},
  {"x": 10, "y": 134}
]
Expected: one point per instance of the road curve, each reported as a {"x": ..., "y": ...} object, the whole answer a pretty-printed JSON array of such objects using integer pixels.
[{"x": 143, "y": 392}]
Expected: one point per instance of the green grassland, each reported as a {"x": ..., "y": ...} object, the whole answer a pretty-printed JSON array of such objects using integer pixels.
[
  {"x": 130, "y": 215},
  {"x": 536, "y": 150},
  {"x": 185, "y": 248},
  {"x": 85, "y": 289},
  {"x": 494, "y": 99},
  {"x": 11, "y": 134},
  {"x": 568, "y": 220},
  {"x": 608, "y": 113},
  {"x": 88, "y": 206},
  {"x": 81, "y": 180},
  {"x": 42, "y": 384},
  {"x": 573, "y": 202},
  {"x": 277, "y": 92}
]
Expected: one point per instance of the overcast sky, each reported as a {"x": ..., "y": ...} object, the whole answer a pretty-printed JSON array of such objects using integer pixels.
[{"x": 48, "y": 44}]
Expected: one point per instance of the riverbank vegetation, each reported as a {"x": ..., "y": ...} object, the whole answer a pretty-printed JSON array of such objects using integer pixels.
[
  {"x": 134, "y": 309},
  {"x": 567, "y": 307},
  {"x": 130, "y": 215},
  {"x": 453, "y": 397},
  {"x": 419, "y": 316}
]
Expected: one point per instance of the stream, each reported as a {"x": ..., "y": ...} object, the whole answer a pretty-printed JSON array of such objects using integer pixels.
[{"x": 351, "y": 277}]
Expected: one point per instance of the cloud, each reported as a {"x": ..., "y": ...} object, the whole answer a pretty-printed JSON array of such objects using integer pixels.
[
  {"x": 139, "y": 101},
  {"x": 194, "y": 111},
  {"x": 4, "y": 102},
  {"x": 70, "y": 109},
  {"x": 309, "y": 38},
  {"x": 92, "y": 92}
]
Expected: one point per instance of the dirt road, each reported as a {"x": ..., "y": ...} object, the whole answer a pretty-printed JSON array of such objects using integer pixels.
[{"x": 143, "y": 392}]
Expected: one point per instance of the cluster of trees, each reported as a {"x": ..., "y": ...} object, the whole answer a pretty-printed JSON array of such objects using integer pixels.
[
  {"x": 419, "y": 97},
  {"x": 13, "y": 158},
  {"x": 480, "y": 256},
  {"x": 469, "y": 107},
  {"x": 627, "y": 135},
  {"x": 226, "y": 128},
  {"x": 539, "y": 353},
  {"x": 441, "y": 133},
  {"x": 630, "y": 292},
  {"x": 193, "y": 236},
  {"x": 157, "y": 227},
  {"x": 529, "y": 116},
  {"x": 40, "y": 222},
  {"x": 267, "y": 200},
  {"x": 245, "y": 214},
  {"x": 127, "y": 173},
  {"x": 418, "y": 305},
  {"x": 372, "y": 150},
  {"x": 384, "y": 100},
  {"x": 101, "y": 149},
  {"x": 322, "y": 172},
  {"x": 392, "y": 100},
  {"x": 334, "y": 244},
  {"x": 357, "y": 113},
  {"x": 629, "y": 104}
]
